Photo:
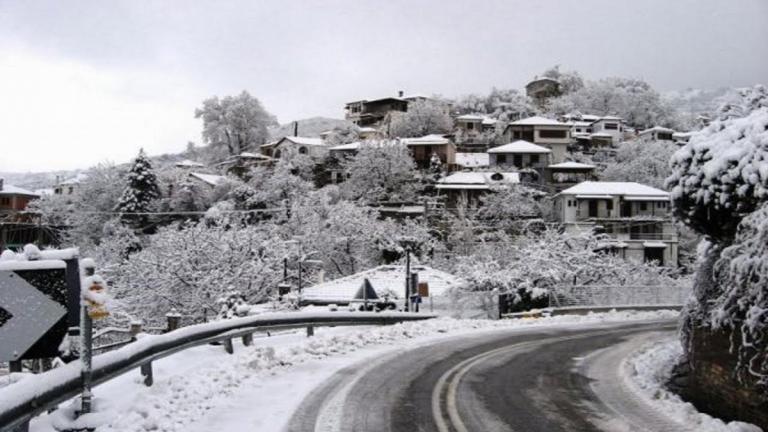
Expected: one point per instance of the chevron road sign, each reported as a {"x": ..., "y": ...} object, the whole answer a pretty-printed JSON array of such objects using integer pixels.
[{"x": 26, "y": 314}]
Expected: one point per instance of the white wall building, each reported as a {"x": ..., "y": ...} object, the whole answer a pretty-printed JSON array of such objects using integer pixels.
[{"x": 635, "y": 216}]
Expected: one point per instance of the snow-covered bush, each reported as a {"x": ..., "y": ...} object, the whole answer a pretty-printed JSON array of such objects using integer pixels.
[
  {"x": 380, "y": 172},
  {"x": 641, "y": 162},
  {"x": 743, "y": 303},
  {"x": 721, "y": 175}
]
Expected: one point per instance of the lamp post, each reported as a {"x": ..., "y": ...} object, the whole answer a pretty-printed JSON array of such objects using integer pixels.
[{"x": 408, "y": 244}]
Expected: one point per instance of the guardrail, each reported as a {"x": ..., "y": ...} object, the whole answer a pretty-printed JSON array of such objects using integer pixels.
[{"x": 22, "y": 401}]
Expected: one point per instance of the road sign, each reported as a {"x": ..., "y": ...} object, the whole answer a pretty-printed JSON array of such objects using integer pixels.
[{"x": 27, "y": 313}]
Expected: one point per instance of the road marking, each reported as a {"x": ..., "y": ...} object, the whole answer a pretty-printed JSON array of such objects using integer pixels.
[{"x": 457, "y": 372}]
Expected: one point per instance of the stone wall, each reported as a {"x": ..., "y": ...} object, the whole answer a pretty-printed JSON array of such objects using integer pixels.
[{"x": 713, "y": 386}]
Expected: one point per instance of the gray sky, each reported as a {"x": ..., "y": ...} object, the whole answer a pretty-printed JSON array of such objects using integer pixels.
[{"x": 87, "y": 81}]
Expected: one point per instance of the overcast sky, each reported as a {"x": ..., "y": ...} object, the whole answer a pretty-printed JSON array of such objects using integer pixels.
[{"x": 87, "y": 81}]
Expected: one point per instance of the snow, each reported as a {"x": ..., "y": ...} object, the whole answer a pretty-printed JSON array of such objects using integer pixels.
[
  {"x": 433, "y": 139},
  {"x": 209, "y": 179},
  {"x": 477, "y": 180},
  {"x": 386, "y": 280},
  {"x": 647, "y": 371},
  {"x": 538, "y": 121},
  {"x": 656, "y": 129},
  {"x": 346, "y": 147},
  {"x": 472, "y": 160},
  {"x": 305, "y": 140},
  {"x": 571, "y": 165},
  {"x": 186, "y": 163},
  {"x": 259, "y": 387},
  {"x": 6, "y": 189},
  {"x": 628, "y": 189},
  {"x": 519, "y": 146},
  {"x": 34, "y": 259},
  {"x": 32, "y": 265}
]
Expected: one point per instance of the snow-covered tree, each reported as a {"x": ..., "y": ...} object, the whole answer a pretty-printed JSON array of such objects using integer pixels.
[
  {"x": 570, "y": 81},
  {"x": 423, "y": 117},
  {"x": 342, "y": 135},
  {"x": 380, "y": 171},
  {"x": 642, "y": 162},
  {"x": 510, "y": 209},
  {"x": 720, "y": 176},
  {"x": 190, "y": 266},
  {"x": 238, "y": 123},
  {"x": 141, "y": 191}
]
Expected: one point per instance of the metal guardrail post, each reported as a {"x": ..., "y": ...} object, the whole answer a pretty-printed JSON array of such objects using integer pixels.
[
  {"x": 228, "y": 346},
  {"x": 248, "y": 339},
  {"x": 86, "y": 335},
  {"x": 146, "y": 372},
  {"x": 173, "y": 320},
  {"x": 310, "y": 331}
]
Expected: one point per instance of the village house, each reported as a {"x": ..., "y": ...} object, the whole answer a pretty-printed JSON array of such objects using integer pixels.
[
  {"x": 314, "y": 147},
  {"x": 610, "y": 127},
  {"x": 545, "y": 132},
  {"x": 13, "y": 201},
  {"x": 467, "y": 187},
  {"x": 542, "y": 88},
  {"x": 422, "y": 149},
  {"x": 519, "y": 155},
  {"x": 240, "y": 164},
  {"x": 657, "y": 133},
  {"x": 68, "y": 186},
  {"x": 372, "y": 112},
  {"x": 634, "y": 216},
  {"x": 209, "y": 180},
  {"x": 566, "y": 174}
]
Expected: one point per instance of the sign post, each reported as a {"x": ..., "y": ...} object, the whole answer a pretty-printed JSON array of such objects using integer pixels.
[{"x": 93, "y": 307}]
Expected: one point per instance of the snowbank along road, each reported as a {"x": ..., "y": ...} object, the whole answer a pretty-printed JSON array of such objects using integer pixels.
[{"x": 538, "y": 380}]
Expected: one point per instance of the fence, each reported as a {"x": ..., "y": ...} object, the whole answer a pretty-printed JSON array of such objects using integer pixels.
[
  {"x": 31, "y": 396},
  {"x": 618, "y": 295}
]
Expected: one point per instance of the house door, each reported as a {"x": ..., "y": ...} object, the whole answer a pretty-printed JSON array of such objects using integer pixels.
[
  {"x": 654, "y": 254},
  {"x": 592, "y": 208}
]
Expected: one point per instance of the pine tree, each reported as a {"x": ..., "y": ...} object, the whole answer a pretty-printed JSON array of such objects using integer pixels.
[{"x": 141, "y": 190}]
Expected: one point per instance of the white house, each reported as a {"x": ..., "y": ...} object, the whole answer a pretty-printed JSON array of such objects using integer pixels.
[
  {"x": 549, "y": 133},
  {"x": 635, "y": 217},
  {"x": 467, "y": 187},
  {"x": 609, "y": 126},
  {"x": 519, "y": 154},
  {"x": 657, "y": 133}
]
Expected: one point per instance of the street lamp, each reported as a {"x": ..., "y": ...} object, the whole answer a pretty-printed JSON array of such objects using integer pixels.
[{"x": 408, "y": 243}]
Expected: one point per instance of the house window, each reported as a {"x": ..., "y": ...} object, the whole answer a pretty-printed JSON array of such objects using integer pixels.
[
  {"x": 609, "y": 204},
  {"x": 643, "y": 206},
  {"x": 518, "y": 160},
  {"x": 470, "y": 126},
  {"x": 501, "y": 159},
  {"x": 664, "y": 136},
  {"x": 611, "y": 126},
  {"x": 302, "y": 150},
  {"x": 534, "y": 159},
  {"x": 5, "y": 201},
  {"x": 547, "y": 133}
]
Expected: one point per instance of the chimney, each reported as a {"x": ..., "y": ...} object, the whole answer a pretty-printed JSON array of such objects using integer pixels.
[
  {"x": 400, "y": 93},
  {"x": 296, "y": 128}
]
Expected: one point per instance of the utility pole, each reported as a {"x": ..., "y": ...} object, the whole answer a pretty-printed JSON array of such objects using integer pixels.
[{"x": 407, "y": 278}]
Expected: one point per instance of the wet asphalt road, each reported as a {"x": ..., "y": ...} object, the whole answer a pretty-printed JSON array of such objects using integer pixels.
[{"x": 556, "y": 379}]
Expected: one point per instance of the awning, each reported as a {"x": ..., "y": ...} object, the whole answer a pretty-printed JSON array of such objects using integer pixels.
[
  {"x": 646, "y": 198},
  {"x": 653, "y": 244},
  {"x": 594, "y": 197}
]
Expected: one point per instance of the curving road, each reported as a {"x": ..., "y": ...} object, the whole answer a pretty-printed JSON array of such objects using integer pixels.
[{"x": 556, "y": 379}]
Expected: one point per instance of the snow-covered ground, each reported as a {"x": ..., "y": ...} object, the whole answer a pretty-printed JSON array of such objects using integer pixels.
[
  {"x": 258, "y": 387},
  {"x": 646, "y": 373}
]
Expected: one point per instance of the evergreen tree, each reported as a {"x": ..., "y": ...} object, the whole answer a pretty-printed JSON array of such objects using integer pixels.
[{"x": 141, "y": 190}]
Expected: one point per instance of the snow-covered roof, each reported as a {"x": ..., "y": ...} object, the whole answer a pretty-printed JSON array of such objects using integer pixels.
[
  {"x": 478, "y": 180},
  {"x": 600, "y": 135},
  {"x": 590, "y": 118},
  {"x": 656, "y": 129},
  {"x": 489, "y": 121},
  {"x": 426, "y": 140},
  {"x": 542, "y": 79},
  {"x": 472, "y": 160},
  {"x": 186, "y": 163},
  {"x": 249, "y": 155},
  {"x": 386, "y": 280},
  {"x": 44, "y": 191},
  {"x": 8, "y": 189},
  {"x": 346, "y": 147},
  {"x": 367, "y": 129},
  {"x": 471, "y": 117},
  {"x": 627, "y": 189},
  {"x": 571, "y": 165},
  {"x": 611, "y": 118},
  {"x": 210, "y": 179},
  {"x": 538, "y": 121},
  {"x": 304, "y": 140},
  {"x": 520, "y": 146},
  {"x": 74, "y": 180},
  {"x": 579, "y": 123},
  {"x": 683, "y": 135}
]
